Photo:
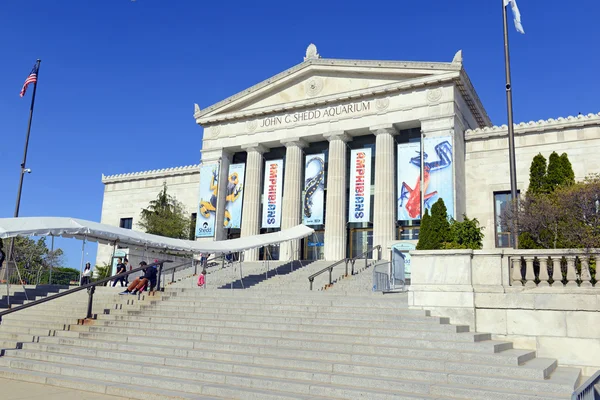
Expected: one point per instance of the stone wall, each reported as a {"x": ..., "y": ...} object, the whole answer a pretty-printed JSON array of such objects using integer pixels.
[
  {"x": 126, "y": 195},
  {"x": 487, "y": 167},
  {"x": 501, "y": 292}
]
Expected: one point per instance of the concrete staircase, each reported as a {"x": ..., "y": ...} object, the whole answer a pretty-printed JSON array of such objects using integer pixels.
[
  {"x": 19, "y": 295},
  {"x": 277, "y": 340},
  {"x": 270, "y": 344}
]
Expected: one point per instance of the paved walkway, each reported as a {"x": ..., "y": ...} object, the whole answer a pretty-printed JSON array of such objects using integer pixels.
[{"x": 17, "y": 390}]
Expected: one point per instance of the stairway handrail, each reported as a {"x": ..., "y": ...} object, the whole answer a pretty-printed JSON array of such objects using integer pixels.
[
  {"x": 346, "y": 260},
  {"x": 92, "y": 288},
  {"x": 587, "y": 390}
]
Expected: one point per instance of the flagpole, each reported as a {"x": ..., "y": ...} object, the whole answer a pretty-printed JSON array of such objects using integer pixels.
[
  {"x": 511, "y": 134},
  {"x": 23, "y": 164}
]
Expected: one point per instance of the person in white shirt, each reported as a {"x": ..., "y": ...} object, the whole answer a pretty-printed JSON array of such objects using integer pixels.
[{"x": 87, "y": 273}]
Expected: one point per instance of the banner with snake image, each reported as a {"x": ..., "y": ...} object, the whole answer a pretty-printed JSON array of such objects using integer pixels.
[
  {"x": 314, "y": 190},
  {"x": 207, "y": 207},
  {"x": 437, "y": 176},
  {"x": 234, "y": 196}
]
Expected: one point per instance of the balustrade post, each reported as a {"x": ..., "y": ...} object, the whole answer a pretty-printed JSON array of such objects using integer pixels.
[
  {"x": 517, "y": 278},
  {"x": 571, "y": 272},
  {"x": 529, "y": 273},
  {"x": 544, "y": 277},
  {"x": 586, "y": 277},
  {"x": 91, "y": 291},
  {"x": 597, "y": 274},
  {"x": 556, "y": 272}
]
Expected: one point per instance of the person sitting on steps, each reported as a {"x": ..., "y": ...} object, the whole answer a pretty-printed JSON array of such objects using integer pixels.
[{"x": 140, "y": 283}]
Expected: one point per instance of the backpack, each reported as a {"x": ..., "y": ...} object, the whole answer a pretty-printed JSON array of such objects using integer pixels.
[{"x": 201, "y": 280}]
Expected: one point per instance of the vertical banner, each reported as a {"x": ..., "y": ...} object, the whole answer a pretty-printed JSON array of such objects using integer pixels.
[
  {"x": 271, "y": 216},
  {"x": 314, "y": 190},
  {"x": 234, "y": 196},
  {"x": 438, "y": 172},
  {"x": 207, "y": 207},
  {"x": 409, "y": 181},
  {"x": 437, "y": 177},
  {"x": 360, "y": 185}
]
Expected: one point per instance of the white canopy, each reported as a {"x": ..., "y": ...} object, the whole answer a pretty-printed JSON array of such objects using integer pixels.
[{"x": 94, "y": 231}]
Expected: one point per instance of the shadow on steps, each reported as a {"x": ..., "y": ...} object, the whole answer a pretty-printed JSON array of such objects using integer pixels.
[{"x": 251, "y": 280}]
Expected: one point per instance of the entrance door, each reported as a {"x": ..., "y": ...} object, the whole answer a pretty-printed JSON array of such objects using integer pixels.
[
  {"x": 314, "y": 246},
  {"x": 361, "y": 240},
  {"x": 270, "y": 252}
]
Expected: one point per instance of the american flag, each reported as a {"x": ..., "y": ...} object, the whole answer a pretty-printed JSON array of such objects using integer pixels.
[{"x": 32, "y": 78}]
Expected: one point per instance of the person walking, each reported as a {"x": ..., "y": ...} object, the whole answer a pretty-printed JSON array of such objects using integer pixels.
[
  {"x": 87, "y": 274},
  {"x": 120, "y": 269}
]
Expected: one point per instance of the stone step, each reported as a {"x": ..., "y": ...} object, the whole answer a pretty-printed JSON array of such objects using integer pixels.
[
  {"x": 229, "y": 352},
  {"x": 285, "y": 380},
  {"x": 371, "y": 346},
  {"x": 273, "y": 336},
  {"x": 144, "y": 392},
  {"x": 319, "y": 324},
  {"x": 294, "y": 331},
  {"x": 410, "y": 368}
]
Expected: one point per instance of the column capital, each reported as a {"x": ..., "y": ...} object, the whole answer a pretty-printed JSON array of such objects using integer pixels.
[
  {"x": 259, "y": 148},
  {"x": 294, "y": 142},
  {"x": 337, "y": 135},
  {"x": 383, "y": 129}
]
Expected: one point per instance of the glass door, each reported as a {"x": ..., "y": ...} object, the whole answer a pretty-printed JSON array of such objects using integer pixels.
[
  {"x": 361, "y": 240},
  {"x": 314, "y": 246}
]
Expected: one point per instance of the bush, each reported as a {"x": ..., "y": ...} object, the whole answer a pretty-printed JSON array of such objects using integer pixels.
[{"x": 437, "y": 232}]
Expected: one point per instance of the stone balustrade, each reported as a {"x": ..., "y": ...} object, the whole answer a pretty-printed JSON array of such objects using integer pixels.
[
  {"x": 543, "y": 300},
  {"x": 554, "y": 268}
]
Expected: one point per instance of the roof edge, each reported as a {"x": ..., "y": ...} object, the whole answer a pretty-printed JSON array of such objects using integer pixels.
[
  {"x": 151, "y": 173},
  {"x": 445, "y": 66},
  {"x": 541, "y": 125}
]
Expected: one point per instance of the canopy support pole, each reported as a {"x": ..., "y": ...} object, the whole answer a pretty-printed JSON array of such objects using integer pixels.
[
  {"x": 82, "y": 257},
  {"x": 51, "y": 262}
]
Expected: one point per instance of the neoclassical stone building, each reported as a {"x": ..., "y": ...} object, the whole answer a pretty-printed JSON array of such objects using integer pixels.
[{"x": 337, "y": 144}]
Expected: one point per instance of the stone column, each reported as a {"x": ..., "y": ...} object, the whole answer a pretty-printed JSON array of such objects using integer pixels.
[
  {"x": 335, "y": 214},
  {"x": 252, "y": 193},
  {"x": 216, "y": 157},
  {"x": 384, "y": 212},
  {"x": 292, "y": 196},
  {"x": 220, "y": 232}
]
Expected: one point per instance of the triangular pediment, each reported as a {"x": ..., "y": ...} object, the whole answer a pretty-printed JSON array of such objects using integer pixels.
[{"x": 320, "y": 80}]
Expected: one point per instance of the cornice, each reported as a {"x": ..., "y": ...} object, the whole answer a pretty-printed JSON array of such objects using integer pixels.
[
  {"x": 467, "y": 90},
  {"x": 431, "y": 66},
  {"x": 156, "y": 173},
  {"x": 532, "y": 126},
  {"x": 336, "y": 98}
]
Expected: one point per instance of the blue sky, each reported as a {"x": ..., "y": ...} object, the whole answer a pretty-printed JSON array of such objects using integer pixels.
[{"x": 119, "y": 78}]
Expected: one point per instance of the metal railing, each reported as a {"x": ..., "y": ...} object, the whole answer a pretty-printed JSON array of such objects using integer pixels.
[
  {"x": 91, "y": 288},
  {"x": 381, "y": 277},
  {"x": 588, "y": 390},
  {"x": 351, "y": 261}
]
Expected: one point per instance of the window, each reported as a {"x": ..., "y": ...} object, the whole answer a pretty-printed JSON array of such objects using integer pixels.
[
  {"x": 126, "y": 223},
  {"x": 502, "y": 200}
]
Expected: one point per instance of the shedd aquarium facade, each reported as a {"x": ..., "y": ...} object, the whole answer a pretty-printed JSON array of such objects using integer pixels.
[{"x": 355, "y": 149}]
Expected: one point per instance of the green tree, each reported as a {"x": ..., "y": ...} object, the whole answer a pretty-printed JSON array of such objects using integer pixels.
[
  {"x": 560, "y": 172},
  {"x": 440, "y": 225},
  {"x": 537, "y": 175},
  {"x": 425, "y": 233},
  {"x": 568, "y": 174},
  {"x": 435, "y": 229},
  {"x": 165, "y": 216},
  {"x": 466, "y": 234}
]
